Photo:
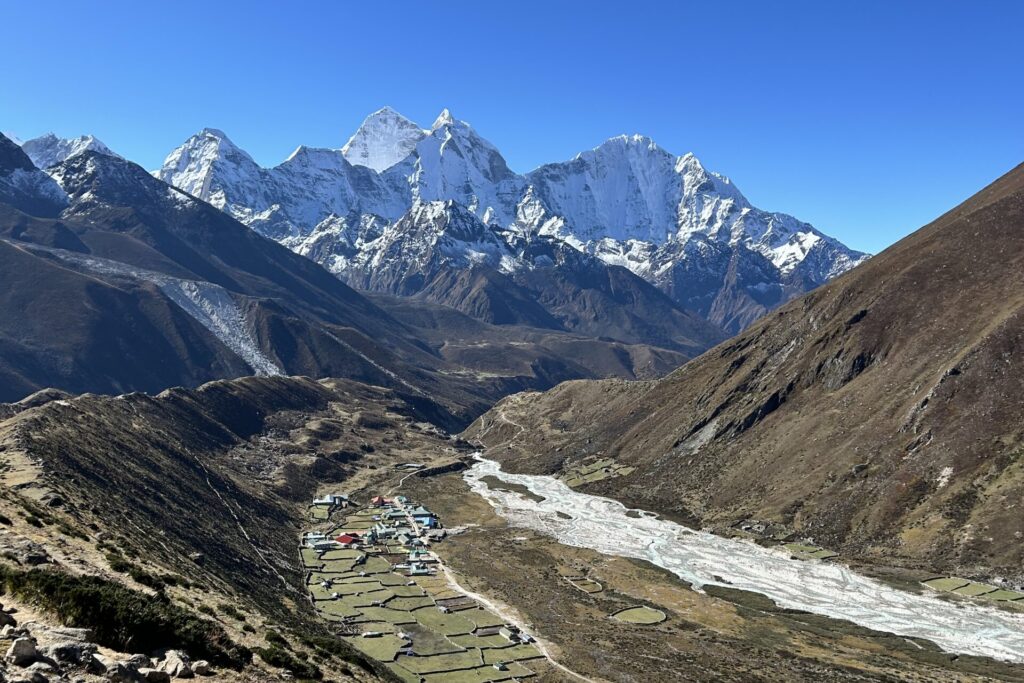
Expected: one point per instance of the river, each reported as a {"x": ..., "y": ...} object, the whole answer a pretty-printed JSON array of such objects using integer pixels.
[{"x": 826, "y": 588}]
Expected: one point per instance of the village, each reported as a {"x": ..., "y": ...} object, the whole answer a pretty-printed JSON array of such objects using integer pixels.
[{"x": 371, "y": 572}]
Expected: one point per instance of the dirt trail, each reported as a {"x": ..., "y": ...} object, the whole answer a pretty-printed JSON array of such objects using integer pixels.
[{"x": 506, "y": 613}]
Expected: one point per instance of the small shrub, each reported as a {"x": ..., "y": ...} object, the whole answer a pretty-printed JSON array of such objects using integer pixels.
[
  {"x": 276, "y": 639},
  {"x": 143, "y": 577},
  {"x": 70, "y": 531},
  {"x": 231, "y": 611},
  {"x": 118, "y": 563},
  {"x": 275, "y": 656},
  {"x": 175, "y": 580}
]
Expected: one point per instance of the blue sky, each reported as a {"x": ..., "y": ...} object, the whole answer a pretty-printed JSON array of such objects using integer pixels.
[{"x": 867, "y": 119}]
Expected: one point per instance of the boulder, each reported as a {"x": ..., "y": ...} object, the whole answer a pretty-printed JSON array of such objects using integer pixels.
[
  {"x": 98, "y": 664},
  {"x": 118, "y": 672},
  {"x": 140, "y": 662},
  {"x": 22, "y": 652},
  {"x": 52, "y": 500},
  {"x": 154, "y": 675},
  {"x": 176, "y": 664},
  {"x": 69, "y": 633},
  {"x": 29, "y": 677},
  {"x": 7, "y": 620},
  {"x": 70, "y": 651},
  {"x": 33, "y": 558},
  {"x": 202, "y": 668},
  {"x": 43, "y": 668}
]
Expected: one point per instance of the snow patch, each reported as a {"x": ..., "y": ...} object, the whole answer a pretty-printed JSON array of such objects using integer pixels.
[
  {"x": 943, "y": 478},
  {"x": 214, "y": 308},
  {"x": 209, "y": 304}
]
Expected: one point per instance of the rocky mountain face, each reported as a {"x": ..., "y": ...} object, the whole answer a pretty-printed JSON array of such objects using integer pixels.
[
  {"x": 628, "y": 203},
  {"x": 139, "y": 286},
  {"x": 385, "y": 138},
  {"x": 25, "y": 187},
  {"x": 442, "y": 252},
  {"x": 135, "y": 285},
  {"x": 878, "y": 415}
]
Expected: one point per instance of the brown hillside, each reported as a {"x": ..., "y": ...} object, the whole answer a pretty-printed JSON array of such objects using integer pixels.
[{"x": 882, "y": 414}]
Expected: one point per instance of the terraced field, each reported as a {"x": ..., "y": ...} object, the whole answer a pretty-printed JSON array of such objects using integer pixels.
[
  {"x": 392, "y": 601},
  {"x": 599, "y": 470},
  {"x": 584, "y": 584},
  {"x": 804, "y": 551},
  {"x": 974, "y": 589},
  {"x": 641, "y": 615}
]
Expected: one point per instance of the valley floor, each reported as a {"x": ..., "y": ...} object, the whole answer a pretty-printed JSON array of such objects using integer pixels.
[
  {"x": 569, "y": 597},
  {"x": 195, "y": 501}
]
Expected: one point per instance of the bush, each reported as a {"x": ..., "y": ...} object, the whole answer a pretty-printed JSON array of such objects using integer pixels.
[
  {"x": 275, "y": 656},
  {"x": 277, "y": 640},
  {"x": 231, "y": 611},
  {"x": 175, "y": 580},
  {"x": 70, "y": 531},
  {"x": 118, "y": 563},
  {"x": 146, "y": 579},
  {"x": 154, "y": 581},
  {"x": 122, "y": 618}
]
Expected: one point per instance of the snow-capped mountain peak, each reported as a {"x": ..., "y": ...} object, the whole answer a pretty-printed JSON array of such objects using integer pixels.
[
  {"x": 24, "y": 186},
  {"x": 208, "y": 165},
  {"x": 318, "y": 157},
  {"x": 696, "y": 177},
  {"x": 443, "y": 119},
  {"x": 384, "y": 139},
  {"x": 49, "y": 150},
  {"x": 628, "y": 202},
  {"x": 455, "y": 162}
]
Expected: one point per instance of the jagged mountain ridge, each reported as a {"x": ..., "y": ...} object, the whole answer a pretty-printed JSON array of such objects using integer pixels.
[
  {"x": 146, "y": 287},
  {"x": 627, "y": 202},
  {"x": 49, "y": 150},
  {"x": 135, "y": 285},
  {"x": 442, "y": 252}
]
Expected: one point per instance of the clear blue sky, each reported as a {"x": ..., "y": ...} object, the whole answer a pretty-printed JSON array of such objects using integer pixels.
[{"x": 866, "y": 119}]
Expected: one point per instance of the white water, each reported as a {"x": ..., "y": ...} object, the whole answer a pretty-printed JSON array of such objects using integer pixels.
[{"x": 829, "y": 589}]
